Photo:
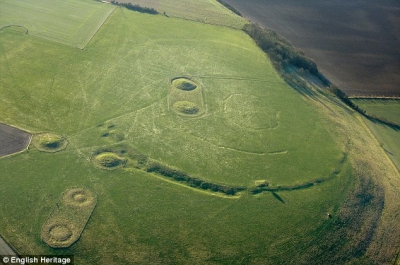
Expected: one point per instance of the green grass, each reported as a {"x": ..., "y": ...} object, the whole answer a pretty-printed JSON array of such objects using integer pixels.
[
  {"x": 69, "y": 217},
  {"x": 48, "y": 142},
  {"x": 186, "y": 97},
  {"x": 129, "y": 84},
  {"x": 206, "y": 11},
  {"x": 113, "y": 97},
  {"x": 69, "y": 22},
  {"x": 389, "y": 138},
  {"x": 184, "y": 84},
  {"x": 186, "y": 107},
  {"x": 108, "y": 160},
  {"x": 388, "y": 109}
]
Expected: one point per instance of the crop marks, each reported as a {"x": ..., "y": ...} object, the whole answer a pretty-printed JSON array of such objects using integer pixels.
[
  {"x": 68, "y": 219},
  {"x": 116, "y": 106}
]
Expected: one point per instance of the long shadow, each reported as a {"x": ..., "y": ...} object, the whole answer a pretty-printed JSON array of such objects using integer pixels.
[
  {"x": 382, "y": 121},
  {"x": 276, "y": 196}
]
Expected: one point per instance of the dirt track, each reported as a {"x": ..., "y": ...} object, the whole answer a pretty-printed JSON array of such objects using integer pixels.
[
  {"x": 12, "y": 140},
  {"x": 356, "y": 43}
]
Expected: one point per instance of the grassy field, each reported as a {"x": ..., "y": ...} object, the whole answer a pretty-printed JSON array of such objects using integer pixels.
[
  {"x": 69, "y": 22},
  {"x": 388, "y": 109},
  {"x": 205, "y": 11},
  {"x": 127, "y": 86},
  {"x": 114, "y": 95}
]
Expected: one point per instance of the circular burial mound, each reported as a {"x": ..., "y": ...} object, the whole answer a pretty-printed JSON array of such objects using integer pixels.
[
  {"x": 108, "y": 160},
  {"x": 49, "y": 142},
  {"x": 58, "y": 235},
  {"x": 78, "y": 197},
  {"x": 184, "y": 84},
  {"x": 186, "y": 107}
]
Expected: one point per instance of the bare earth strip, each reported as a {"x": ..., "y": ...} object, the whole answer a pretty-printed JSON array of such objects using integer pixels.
[{"x": 13, "y": 140}]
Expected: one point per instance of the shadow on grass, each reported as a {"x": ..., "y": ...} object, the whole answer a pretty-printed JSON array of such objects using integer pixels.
[
  {"x": 276, "y": 196},
  {"x": 382, "y": 121}
]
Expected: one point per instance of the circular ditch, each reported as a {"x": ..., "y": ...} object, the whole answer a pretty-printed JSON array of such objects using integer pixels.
[{"x": 58, "y": 235}]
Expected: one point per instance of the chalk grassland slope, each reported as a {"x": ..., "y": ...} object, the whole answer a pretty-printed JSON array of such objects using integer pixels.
[
  {"x": 206, "y": 11},
  {"x": 388, "y": 109},
  {"x": 115, "y": 92},
  {"x": 69, "y": 22},
  {"x": 124, "y": 78}
]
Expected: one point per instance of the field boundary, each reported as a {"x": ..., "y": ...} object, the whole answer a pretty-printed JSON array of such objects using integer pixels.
[
  {"x": 98, "y": 28},
  {"x": 28, "y": 142}
]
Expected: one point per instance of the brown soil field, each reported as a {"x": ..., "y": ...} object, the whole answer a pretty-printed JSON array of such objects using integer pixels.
[
  {"x": 355, "y": 43},
  {"x": 12, "y": 140}
]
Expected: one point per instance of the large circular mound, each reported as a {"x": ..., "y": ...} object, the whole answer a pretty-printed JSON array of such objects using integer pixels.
[
  {"x": 58, "y": 235},
  {"x": 79, "y": 197},
  {"x": 184, "y": 84},
  {"x": 186, "y": 107},
  {"x": 49, "y": 142},
  {"x": 108, "y": 160}
]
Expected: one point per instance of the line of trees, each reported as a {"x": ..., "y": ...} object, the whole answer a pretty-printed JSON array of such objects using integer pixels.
[
  {"x": 279, "y": 49},
  {"x": 284, "y": 54},
  {"x": 138, "y": 8},
  {"x": 344, "y": 98}
]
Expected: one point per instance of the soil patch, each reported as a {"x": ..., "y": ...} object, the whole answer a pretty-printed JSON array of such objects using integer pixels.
[
  {"x": 13, "y": 140},
  {"x": 356, "y": 44}
]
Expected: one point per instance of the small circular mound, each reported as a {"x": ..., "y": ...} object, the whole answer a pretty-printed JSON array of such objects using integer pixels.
[
  {"x": 58, "y": 235},
  {"x": 184, "y": 84},
  {"x": 78, "y": 197},
  {"x": 186, "y": 107},
  {"x": 49, "y": 142},
  {"x": 108, "y": 160},
  {"x": 60, "y": 232}
]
